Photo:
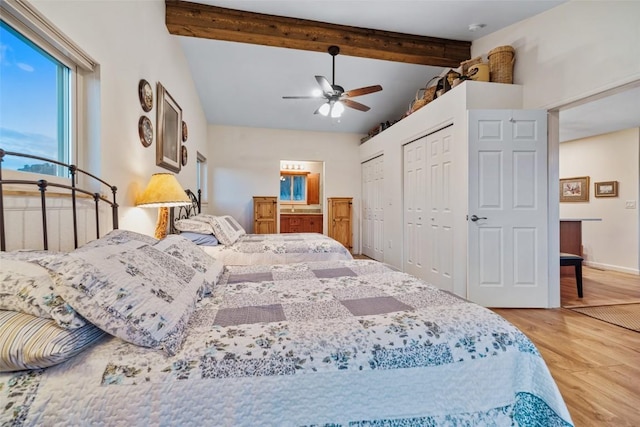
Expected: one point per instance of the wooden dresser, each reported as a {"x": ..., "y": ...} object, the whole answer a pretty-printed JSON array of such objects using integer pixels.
[
  {"x": 300, "y": 223},
  {"x": 265, "y": 215}
]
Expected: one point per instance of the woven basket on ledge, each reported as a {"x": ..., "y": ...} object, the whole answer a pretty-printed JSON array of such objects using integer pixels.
[{"x": 501, "y": 60}]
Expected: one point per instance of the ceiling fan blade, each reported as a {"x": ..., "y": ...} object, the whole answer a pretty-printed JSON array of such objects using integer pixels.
[
  {"x": 324, "y": 84},
  {"x": 362, "y": 91},
  {"x": 302, "y": 97},
  {"x": 355, "y": 105}
]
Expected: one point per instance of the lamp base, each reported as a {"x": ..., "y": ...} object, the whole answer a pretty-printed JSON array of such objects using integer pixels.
[{"x": 163, "y": 221}]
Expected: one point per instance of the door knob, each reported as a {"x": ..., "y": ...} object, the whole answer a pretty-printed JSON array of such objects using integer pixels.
[{"x": 474, "y": 218}]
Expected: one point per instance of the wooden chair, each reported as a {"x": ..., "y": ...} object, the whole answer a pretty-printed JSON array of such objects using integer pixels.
[{"x": 576, "y": 261}]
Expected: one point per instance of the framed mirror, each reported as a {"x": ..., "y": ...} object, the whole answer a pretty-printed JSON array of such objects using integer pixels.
[{"x": 169, "y": 131}]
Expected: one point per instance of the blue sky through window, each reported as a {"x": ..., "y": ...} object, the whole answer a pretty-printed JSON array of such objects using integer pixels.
[{"x": 29, "y": 119}]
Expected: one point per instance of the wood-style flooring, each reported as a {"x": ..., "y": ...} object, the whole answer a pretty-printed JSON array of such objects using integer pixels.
[{"x": 595, "y": 364}]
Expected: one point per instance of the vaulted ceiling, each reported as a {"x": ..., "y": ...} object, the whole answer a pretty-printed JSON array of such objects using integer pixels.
[{"x": 246, "y": 55}]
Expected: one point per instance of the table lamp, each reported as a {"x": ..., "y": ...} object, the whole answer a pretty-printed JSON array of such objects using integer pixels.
[{"x": 163, "y": 191}]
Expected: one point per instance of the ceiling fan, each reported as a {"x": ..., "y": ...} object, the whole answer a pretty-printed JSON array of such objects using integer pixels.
[{"x": 335, "y": 95}]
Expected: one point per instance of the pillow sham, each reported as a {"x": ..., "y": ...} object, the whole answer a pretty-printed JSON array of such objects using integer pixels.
[
  {"x": 234, "y": 224},
  {"x": 200, "y": 239},
  {"x": 190, "y": 254},
  {"x": 222, "y": 229},
  {"x": 193, "y": 225},
  {"x": 29, "y": 288},
  {"x": 118, "y": 237},
  {"x": 137, "y": 293},
  {"x": 29, "y": 342}
]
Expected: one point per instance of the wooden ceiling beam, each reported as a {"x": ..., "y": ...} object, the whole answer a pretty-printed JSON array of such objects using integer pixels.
[{"x": 212, "y": 22}]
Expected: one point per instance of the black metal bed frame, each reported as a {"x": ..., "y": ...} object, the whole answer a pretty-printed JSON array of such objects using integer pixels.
[
  {"x": 43, "y": 184},
  {"x": 183, "y": 212}
]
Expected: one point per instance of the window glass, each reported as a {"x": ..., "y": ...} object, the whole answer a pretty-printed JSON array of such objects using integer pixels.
[
  {"x": 293, "y": 188},
  {"x": 35, "y": 103},
  {"x": 285, "y": 188}
]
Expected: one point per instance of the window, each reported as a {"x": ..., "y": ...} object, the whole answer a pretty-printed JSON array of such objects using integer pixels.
[
  {"x": 293, "y": 188},
  {"x": 41, "y": 80},
  {"x": 35, "y": 103},
  {"x": 201, "y": 175}
]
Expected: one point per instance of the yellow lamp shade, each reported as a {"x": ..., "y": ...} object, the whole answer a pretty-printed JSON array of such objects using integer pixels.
[{"x": 163, "y": 190}]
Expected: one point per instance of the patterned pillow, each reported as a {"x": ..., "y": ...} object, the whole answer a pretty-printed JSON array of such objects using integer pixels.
[
  {"x": 29, "y": 342},
  {"x": 190, "y": 254},
  {"x": 234, "y": 224},
  {"x": 222, "y": 229},
  {"x": 118, "y": 237},
  {"x": 29, "y": 288},
  {"x": 193, "y": 225},
  {"x": 137, "y": 293}
]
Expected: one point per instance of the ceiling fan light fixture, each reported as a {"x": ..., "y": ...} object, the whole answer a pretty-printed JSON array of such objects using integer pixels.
[
  {"x": 337, "y": 110},
  {"x": 324, "y": 109}
]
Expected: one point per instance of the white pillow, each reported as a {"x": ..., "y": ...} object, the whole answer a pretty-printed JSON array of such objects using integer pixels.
[
  {"x": 28, "y": 288},
  {"x": 193, "y": 225},
  {"x": 225, "y": 232},
  {"x": 136, "y": 292}
]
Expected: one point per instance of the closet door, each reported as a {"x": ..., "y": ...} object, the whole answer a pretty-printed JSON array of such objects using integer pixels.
[
  {"x": 439, "y": 230},
  {"x": 372, "y": 208},
  {"x": 428, "y": 218},
  {"x": 414, "y": 208}
]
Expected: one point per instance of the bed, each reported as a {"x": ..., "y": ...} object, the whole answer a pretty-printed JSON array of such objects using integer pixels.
[
  {"x": 130, "y": 330},
  {"x": 233, "y": 246}
]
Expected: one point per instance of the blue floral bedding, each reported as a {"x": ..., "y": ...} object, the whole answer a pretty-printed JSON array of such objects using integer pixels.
[{"x": 337, "y": 343}]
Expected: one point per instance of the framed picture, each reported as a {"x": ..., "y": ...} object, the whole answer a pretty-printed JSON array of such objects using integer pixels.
[
  {"x": 168, "y": 131},
  {"x": 607, "y": 189},
  {"x": 574, "y": 189}
]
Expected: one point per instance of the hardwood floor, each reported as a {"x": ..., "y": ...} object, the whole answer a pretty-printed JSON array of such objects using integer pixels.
[{"x": 595, "y": 364}]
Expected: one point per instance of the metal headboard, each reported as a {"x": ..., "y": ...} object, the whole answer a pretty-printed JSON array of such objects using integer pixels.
[
  {"x": 183, "y": 212},
  {"x": 43, "y": 184}
]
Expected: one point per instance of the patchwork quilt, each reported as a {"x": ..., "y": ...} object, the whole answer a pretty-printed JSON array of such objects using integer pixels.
[
  {"x": 337, "y": 343},
  {"x": 286, "y": 248}
]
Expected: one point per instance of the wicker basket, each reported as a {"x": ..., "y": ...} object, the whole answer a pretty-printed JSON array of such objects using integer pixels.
[
  {"x": 501, "y": 60},
  {"x": 464, "y": 65}
]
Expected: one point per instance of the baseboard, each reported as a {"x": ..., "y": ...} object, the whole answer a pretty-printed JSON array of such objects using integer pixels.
[{"x": 602, "y": 266}]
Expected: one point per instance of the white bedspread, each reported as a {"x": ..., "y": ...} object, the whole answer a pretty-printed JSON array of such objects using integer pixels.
[
  {"x": 287, "y": 248},
  {"x": 343, "y": 343}
]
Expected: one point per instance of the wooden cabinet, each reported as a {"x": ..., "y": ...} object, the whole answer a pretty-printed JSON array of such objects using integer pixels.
[
  {"x": 264, "y": 215},
  {"x": 301, "y": 223},
  {"x": 313, "y": 189},
  {"x": 339, "y": 209}
]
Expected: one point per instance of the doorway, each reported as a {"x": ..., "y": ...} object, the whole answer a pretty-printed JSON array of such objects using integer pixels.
[{"x": 599, "y": 139}]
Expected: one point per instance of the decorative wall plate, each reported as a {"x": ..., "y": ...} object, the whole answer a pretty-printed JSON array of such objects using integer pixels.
[
  {"x": 145, "y": 93},
  {"x": 185, "y": 133},
  {"x": 184, "y": 155},
  {"x": 145, "y": 131}
]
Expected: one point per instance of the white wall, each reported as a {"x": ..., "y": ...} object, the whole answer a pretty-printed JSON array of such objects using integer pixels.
[
  {"x": 130, "y": 42},
  {"x": 245, "y": 162},
  {"x": 613, "y": 242},
  {"x": 571, "y": 51}
]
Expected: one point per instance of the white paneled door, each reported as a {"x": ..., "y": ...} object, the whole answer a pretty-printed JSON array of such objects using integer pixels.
[
  {"x": 439, "y": 223},
  {"x": 414, "y": 208},
  {"x": 507, "y": 210},
  {"x": 372, "y": 208},
  {"x": 428, "y": 218}
]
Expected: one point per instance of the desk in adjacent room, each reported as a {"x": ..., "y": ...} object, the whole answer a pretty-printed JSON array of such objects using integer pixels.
[{"x": 571, "y": 238}]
